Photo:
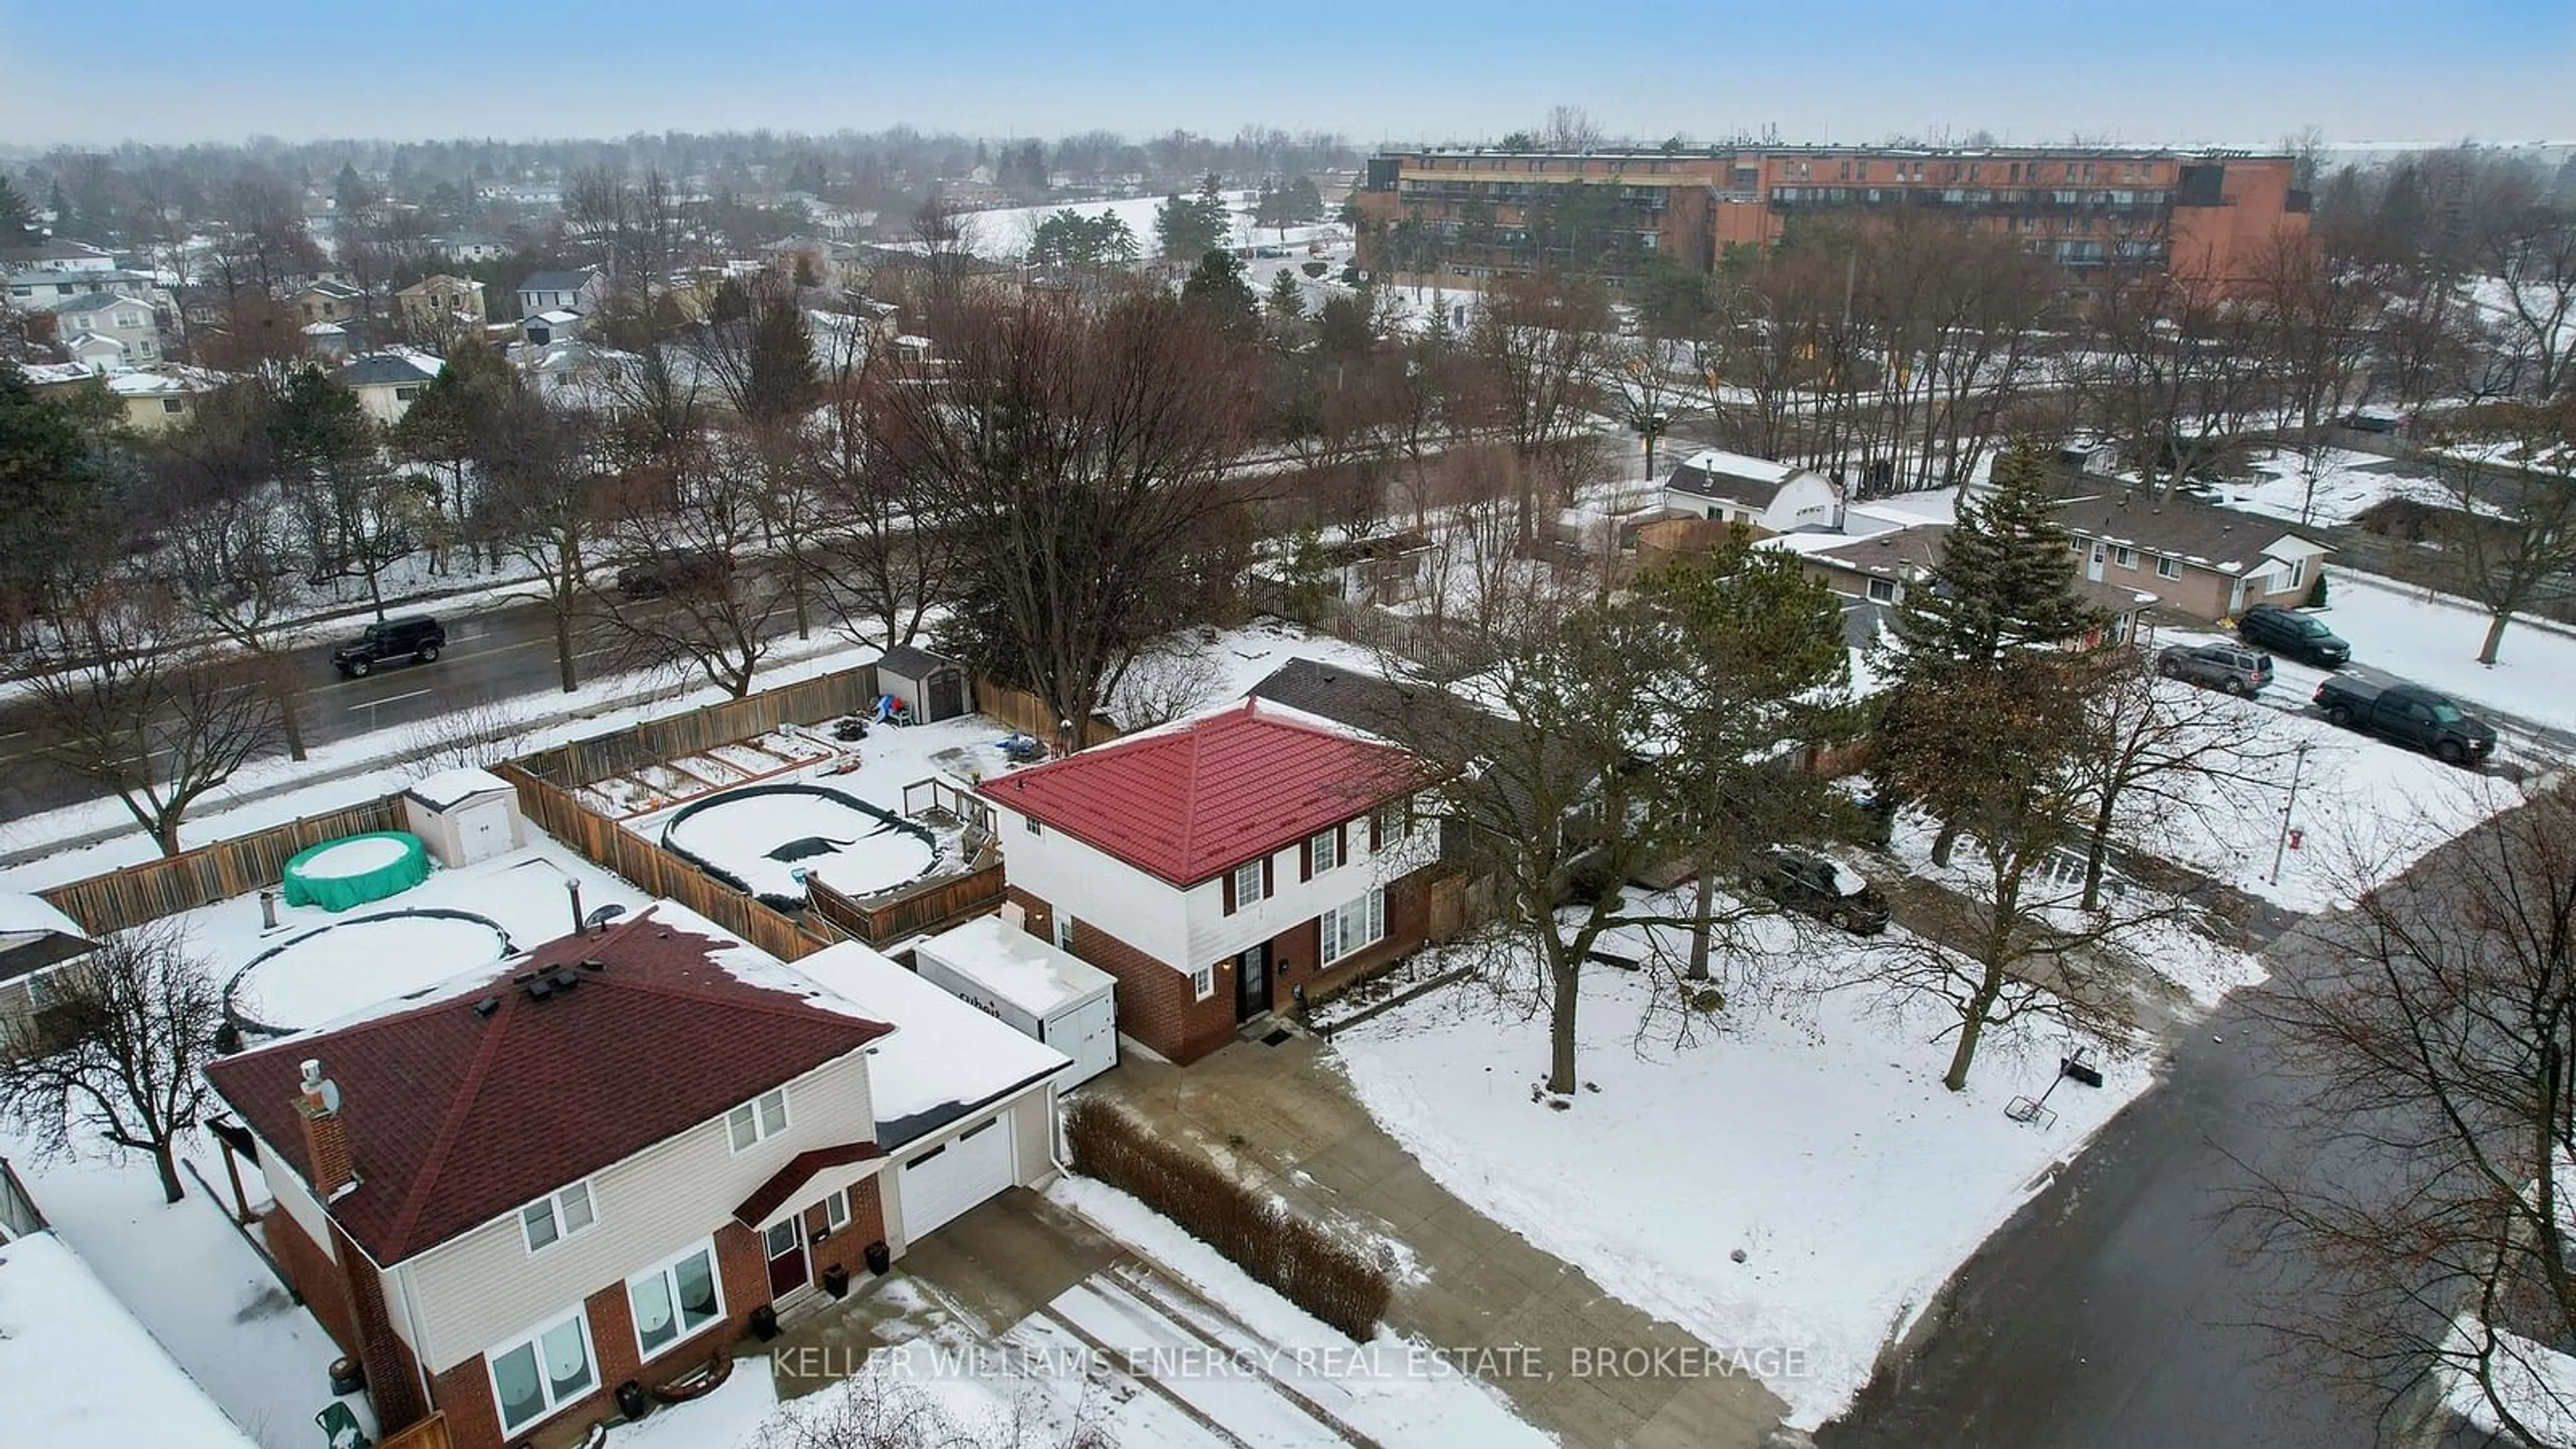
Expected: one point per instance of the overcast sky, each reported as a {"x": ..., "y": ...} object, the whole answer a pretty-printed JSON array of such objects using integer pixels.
[{"x": 2221, "y": 71}]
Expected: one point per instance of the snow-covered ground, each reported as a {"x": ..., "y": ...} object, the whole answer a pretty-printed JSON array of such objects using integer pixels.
[
  {"x": 1811, "y": 1132},
  {"x": 533, "y": 722},
  {"x": 335, "y": 965},
  {"x": 2432, "y": 640},
  {"x": 2346, "y": 484},
  {"x": 191, "y": 1280},
  {"x": 1199, "y": 675}
]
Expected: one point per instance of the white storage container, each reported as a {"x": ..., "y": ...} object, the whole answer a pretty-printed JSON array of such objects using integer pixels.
[{"x": 1039, "y": 990}]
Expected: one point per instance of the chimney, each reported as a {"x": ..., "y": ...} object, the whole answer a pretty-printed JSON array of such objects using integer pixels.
[{"x": 326, "y": 1135}]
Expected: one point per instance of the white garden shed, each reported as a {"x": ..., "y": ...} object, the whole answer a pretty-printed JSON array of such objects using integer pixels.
[
  {"x": 464, "y": 816},
  {"x": 934, "y": 687},
  {"x": 1034, "y": 987}
]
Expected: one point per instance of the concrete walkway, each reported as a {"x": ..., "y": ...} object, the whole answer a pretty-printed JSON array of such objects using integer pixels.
[{"x": 1516, "y": 1315}]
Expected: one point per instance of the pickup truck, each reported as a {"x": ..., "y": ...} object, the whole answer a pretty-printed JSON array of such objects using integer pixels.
[{"x": 2408, "y": 715}]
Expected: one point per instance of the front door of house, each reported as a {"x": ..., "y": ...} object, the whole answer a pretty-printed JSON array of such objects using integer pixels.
[
  {"x": 786, "y": 1244},
  {"x": 2093, "y": 565},
  {"x": 1252, "y": 982}
]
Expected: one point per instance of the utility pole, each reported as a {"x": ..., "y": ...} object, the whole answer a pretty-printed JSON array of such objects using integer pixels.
[{"x": 2281, "y": 844}]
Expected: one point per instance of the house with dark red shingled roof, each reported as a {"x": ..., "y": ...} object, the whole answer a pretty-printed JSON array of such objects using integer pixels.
[
  {"x": 592, "y": 1166},
  {"x": 1223, "y": 868}
]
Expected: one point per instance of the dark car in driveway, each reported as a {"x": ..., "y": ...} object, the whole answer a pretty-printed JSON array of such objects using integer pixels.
[
  {"x": 2229, "y": 667},
  {"x": 2287, "y": 631},
  {"x": 1826, "y": 889},
  {"x": 2410, "y": 715},
  {"x": 409, "y": 639}
]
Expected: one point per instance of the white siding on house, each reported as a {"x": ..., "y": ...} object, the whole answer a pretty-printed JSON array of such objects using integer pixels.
[
  {"x": 1142, "y": 910},
  {"x": 1214, "y": 935},
  {"x": 473, "y": 1291},
  {"x": 294, "y": 1197}
]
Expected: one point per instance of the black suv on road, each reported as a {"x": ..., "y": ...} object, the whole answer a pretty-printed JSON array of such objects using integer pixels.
[
  {"x": 2287, "y": 631},
  {"x": 414, "y": 637}
]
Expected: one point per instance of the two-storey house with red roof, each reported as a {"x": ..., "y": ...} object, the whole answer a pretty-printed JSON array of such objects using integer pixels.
[
  {"x": 1220, "y": 867},
  {"x": 597, "y": 1164}
]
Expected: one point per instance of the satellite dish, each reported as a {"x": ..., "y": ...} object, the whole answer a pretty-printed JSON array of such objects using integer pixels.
[{"x": 603, "y": 915}]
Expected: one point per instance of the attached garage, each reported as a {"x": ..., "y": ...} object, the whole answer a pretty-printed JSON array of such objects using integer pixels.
[
  {"x": 964, "y": 1105},
  {"x": 945, "y": 1181}
]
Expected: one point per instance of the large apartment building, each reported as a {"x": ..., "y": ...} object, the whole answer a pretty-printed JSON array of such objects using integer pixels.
[{"x": 1477, "y": 213}]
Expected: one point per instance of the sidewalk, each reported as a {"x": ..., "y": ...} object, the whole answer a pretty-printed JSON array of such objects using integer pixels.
[
  {"x": 350, "y": 770},
  {"x": 1285, "y": 1116}
]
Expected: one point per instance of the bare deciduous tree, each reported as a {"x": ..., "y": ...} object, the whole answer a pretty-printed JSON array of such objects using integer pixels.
[
  {"x": 2431, "y": 1032},
  {"x": 2508, "y": 525},
  {"x": 121, "y": 1052},
  {"x": 1540, "y": 339}
]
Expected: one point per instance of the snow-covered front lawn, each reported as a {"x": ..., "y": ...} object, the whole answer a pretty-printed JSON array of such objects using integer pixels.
[
  {"x": 1811, "y": 1134},
  {"x": 2433, "y": 639}
]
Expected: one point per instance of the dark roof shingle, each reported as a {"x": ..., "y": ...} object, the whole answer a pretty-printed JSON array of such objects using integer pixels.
[{"x": 457, "y": 1118}]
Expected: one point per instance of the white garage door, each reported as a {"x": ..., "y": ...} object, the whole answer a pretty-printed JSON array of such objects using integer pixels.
[
  {"x": 1088, "y": 1034},
  {"x": 948, "y": 1179}
]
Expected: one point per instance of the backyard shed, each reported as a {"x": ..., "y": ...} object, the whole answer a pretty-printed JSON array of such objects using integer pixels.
[
  {"x": 934, "y": 687},
  {"x": 34, "y": 937},
  {"x": 1037, "y": 989},
  {"x": 464, "y": 816}
]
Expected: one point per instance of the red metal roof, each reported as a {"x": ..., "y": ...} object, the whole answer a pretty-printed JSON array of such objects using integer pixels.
[
  {"x": 1190, "y": 803},
  {"x": 456, "y": 1118}
]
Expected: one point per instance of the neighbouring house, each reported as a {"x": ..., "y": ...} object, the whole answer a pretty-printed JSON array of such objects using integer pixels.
[
  {"x": 1222, "y": 868},
  {"x": 55, "y": 254},
  {"x": 578, "y": 292},
  {"x": 1880, "y": 568},
  {"x": 596, "y": 1163},
  {"x": 1766, "y": 497},
  {"x": 33, "y": 290},
  {"x": 129, "y": 322},
  {"x": 441, "y": 303},
  {"x": 2206, "y": 562},
  {"x": 37, "y": 943},
  {"x": 388, "y": 383},
  {"x": 577, "y": 374},
  {"x": 77, "y": 1367},
  {"x": 470, "y": 247},
  {"x": 161, "y": 397},
  {"x": 325, "y": 301}
]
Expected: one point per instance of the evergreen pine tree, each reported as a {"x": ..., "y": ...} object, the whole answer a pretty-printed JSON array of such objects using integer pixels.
[
  {"x": 1217, "y": 285},
  {"x": 1286, "y": 302},
  {"x": 2005, "y": 580},
  {"x": 17, "y": 217}
]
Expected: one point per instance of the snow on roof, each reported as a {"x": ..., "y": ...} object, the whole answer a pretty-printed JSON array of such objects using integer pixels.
[
  {"x": 1740, "y": 465},
  {"x": 77, "y": 1368},
  {"x": 1012, "y": 964},
  {"x": 447, "y": 787},
  {"x": 42, "y": 374},
  {"x": 28, "y": 915},
  {"x": 944, "y": 1058},
  {"x": 558, "y": 317}
]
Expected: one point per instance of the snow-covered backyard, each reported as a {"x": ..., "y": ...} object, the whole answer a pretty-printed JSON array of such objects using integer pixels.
[
  {"x": 2432, "y": 639},
  {"x": 1810, "y": 1132},
  {"x": 2346, "y": 484}
]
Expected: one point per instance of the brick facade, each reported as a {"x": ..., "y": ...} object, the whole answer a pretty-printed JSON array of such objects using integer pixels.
[
  {"x": 1293, "y": 952},
  {"x": 350, "y": 1308},
  {"x": 1156, "y": 1005},
  {"x": 847, "y": 1246},
  {"x": 315, "y": 1277},
  {"x": 464, "y": 1392}
]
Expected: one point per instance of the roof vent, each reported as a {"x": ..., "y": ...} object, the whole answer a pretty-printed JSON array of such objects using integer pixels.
[
  {"x": 540, "y": 988},
  {"x": 593, "y": 963},
  {"x": 487, "y": 1006},
  {"x": 566, "y": 979}
]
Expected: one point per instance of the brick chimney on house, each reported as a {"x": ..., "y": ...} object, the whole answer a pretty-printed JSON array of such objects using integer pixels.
[{"x": 326, "y": 1135}]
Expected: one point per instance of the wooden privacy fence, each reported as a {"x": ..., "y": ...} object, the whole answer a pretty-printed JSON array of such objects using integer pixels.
[
  {"x": 846, "y": 691},
  {"x": 130, "y": 897},
  {"x": 934, "y": 907},
  {"x": 1031, "y": 715},
  {"x": 429, "y": 1433},
  {"x": 658, "y": 872}
]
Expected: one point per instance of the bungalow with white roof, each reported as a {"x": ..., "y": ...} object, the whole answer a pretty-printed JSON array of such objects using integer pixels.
[
  {"x": 1766, "y": 497},
  {"x": 161, "y": 397}
]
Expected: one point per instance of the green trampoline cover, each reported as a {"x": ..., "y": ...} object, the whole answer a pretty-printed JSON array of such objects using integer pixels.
[{"x": 356, "y": 869}]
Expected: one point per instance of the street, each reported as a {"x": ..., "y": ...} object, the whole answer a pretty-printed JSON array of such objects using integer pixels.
[
  {"x": 494, "y": 654},
  {"x": 2113, "y": 1311}
]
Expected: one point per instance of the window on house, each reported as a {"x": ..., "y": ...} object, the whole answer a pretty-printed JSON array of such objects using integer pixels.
[
  {"x": 1203, "y": 983},
  {"x": 2167, "y": 568},
  {"x": 1325, "y": 850},
  {"x": 2126, "y": 558},
  {"x": 2298, "y": 573},
  {"x": 1247, "y": 884},
  {"x": 757, "y": 1120},
  {"x": 1391, "y": 824},
  {"x": 836, "y": 1211},
  {"x": 540, "y": 1373},
  {"x": 406, "y": 394},
  {"x": 1031, "y": 822},
  {"x": 1351, "y": 927},
  {"x": 1064, "y": 930},
  {"x": 550, "y": 1219},
  {"x": 172, "y": 405},
  {"x": 1882, "y": 591},
  {"x": 675, "y": 1300}
]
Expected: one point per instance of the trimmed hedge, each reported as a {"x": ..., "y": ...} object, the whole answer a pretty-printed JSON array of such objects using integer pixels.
[{"x": 1308, "y": 1266}]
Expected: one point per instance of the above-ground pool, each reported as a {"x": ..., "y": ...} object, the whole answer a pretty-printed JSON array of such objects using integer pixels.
[
  {"x": 352, "y": 871},
  {"x": 760, "y": 835},
  {"x": 334, "y": 970}
]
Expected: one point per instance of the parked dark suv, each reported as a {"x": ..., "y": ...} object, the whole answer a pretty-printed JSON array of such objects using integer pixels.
[
  {"x": 413, "y": 637},
  {"x": 1827, "y": 890},
  {"x": 2287, "y": 631},
  {"x": 680, "y": 573}
]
